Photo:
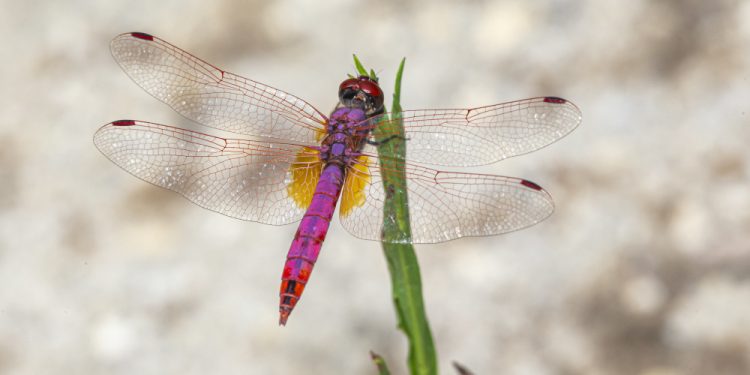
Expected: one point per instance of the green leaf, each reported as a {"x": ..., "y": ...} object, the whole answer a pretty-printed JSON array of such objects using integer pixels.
[
  {"x": 397, "y": 91},
  {"x": 400, "y": 256},
  {"x": 360, "y": 68},
  {"x": 380, "y": 364}
]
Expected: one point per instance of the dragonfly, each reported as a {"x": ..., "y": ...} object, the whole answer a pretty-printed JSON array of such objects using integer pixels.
[{"x": 291, "y": 163}]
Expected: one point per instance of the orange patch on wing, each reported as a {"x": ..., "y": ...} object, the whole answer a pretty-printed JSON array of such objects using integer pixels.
[
  {"x": 357, "y": 179},
  {"x": 305, "y": 172}
]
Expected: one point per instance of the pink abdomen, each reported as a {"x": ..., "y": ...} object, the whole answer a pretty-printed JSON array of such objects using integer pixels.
[{"x": 309, "y": 238}]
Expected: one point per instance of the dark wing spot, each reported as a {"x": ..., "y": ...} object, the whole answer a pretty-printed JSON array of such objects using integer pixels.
[
  {"x": 530, "y": 184},
  {"x": 555, "y": 100},
  {"x": 123, "y": 123},
  {"x": 143, "y": 36}
]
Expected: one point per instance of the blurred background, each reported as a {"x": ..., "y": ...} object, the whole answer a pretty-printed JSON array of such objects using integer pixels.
[{"x": 643, "y": 269}]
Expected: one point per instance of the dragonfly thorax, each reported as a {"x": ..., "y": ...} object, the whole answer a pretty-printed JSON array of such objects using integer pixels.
[
  {"x": 347, "y": 116},
  {"x": 343, "y": 138}
]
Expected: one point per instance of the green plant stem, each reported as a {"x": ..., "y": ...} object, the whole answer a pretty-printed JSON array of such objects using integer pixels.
[
  {"x": 380, "y": 364},
  {"x": 399, "y": 252}
]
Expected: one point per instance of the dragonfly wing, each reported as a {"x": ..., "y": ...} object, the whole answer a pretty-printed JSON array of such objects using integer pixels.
[
  {"x": 484, "y": 135},
  {"x": 243, "y": 179},
  {"x": 212, "y": 96},
  {"x": 442, "y": 205}
]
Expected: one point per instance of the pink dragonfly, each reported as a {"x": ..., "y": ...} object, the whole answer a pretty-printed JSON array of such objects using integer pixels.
[{"x": 295, "y": 163}]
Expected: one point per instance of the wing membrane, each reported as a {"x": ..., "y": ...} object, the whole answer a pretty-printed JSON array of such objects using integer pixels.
[
  {"x": 484, "y": 135},
  {"x": 239, "y": 178},
  {"x": 444, "y": 205},
  {"x": 212, "y": 96}
]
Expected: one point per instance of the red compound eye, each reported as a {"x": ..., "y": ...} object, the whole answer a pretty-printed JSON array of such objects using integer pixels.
[
  {"x": 371, "y": 88},
  {"x": 350, "y": 87},
  {"x": 349, "y": 84}
]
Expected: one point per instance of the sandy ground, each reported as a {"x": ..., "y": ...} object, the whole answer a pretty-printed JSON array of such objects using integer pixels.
[{"x": 643, "y": 269}]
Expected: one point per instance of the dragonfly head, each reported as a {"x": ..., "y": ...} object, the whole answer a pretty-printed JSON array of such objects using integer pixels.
[{"x": 363, "y": 93}]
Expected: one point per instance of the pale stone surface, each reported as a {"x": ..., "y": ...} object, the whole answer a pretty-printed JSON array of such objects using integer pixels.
[{"x": 643, "y": 269}]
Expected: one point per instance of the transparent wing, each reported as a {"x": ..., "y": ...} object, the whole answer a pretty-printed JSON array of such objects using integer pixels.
[
  {"x": 212, "y": 96},
  {"x": 239, "y": 178},
  {"x": 478, "y": 136},
  {"x": 442, "y": 205}
]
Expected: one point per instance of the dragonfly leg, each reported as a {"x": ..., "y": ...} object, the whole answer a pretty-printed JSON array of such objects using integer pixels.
[{"x": 385, "y": 141}]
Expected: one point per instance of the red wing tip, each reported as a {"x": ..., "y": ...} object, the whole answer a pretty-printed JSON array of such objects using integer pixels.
[
  {"x": 530, "y": 184},
  {"x": 123, "y": 123},
  {"x": 554, "y": 100},
  {"x": 143, "y": 36}
]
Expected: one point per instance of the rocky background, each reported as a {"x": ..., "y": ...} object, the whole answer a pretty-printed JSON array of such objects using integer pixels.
[{"x": 643, "y": 269}]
